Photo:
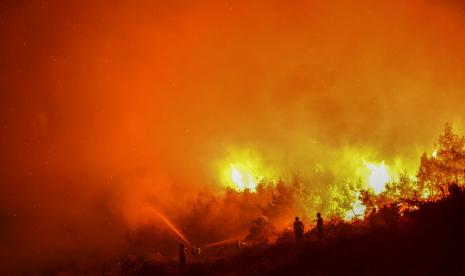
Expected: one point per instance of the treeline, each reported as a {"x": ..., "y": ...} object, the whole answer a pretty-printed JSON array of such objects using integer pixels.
[{"x": 437, "y": 172}]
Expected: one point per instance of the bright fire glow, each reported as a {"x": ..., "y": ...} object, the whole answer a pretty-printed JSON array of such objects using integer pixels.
[
  {"x": 425, "y": 194},
  {"x": 242, "y": 180},
  {"x": 357, "y": 210},
  {"x": 378, "y": 177},
  {"x": 435, "y": 154}
]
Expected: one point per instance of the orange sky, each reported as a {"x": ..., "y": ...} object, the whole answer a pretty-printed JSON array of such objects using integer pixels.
[{"x": 117, "y": 100}]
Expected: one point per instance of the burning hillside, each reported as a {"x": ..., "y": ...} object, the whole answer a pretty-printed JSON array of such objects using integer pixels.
[
  {"x": 256, "y": 222},
  {"x": 248, "y": 231},
  {"x": 397, "y": 218}
]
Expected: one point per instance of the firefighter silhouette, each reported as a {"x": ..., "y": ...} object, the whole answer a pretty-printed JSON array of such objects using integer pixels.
[
  {"x": 298, "y": 230},
  {"x": 319, "y": 225},
  {"x": 182, "y": 255}
]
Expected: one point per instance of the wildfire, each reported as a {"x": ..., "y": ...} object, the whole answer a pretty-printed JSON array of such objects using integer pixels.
[
  {"x": 357, "y": 210},
  {"x": 378, "y": 177},
  {"x": 242, "y": 180},
  {"x": 435, "y": 154},
  {"x": 243, "y": 169}
]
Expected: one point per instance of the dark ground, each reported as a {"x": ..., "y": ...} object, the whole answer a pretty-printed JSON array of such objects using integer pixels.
[{"x": 428, "y": 241}]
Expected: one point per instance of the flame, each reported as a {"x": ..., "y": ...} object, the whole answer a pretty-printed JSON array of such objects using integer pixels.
[
  {"x": 435, "y": 153},
  {"x": 242, "y": 180},
  {"x": 378, "y": 177},
  {"x": 243, "y": 169},
  {"x": 425, "y": 194},
  {"x": 357, "y": 208}
]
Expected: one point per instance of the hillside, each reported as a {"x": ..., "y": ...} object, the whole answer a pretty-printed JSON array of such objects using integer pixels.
[{"x": 427, "y": 241}]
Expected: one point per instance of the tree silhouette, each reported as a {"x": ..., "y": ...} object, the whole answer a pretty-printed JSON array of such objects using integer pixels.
[{"x": 447, "y": 167}]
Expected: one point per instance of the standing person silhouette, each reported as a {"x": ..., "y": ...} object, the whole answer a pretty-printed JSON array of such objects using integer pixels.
[
  {"x": 298, "y": 230},
  {"x": 319, "y": 225},
  {"x": 182, "y": 255}
]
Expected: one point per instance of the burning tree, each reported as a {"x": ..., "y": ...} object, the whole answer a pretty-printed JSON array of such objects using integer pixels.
[
  {"x": 446, "y": 166},
  {"x": 436, "y": 173},
  {"x": 403, "y": 188},
  {"x": 258, "y": 206}
]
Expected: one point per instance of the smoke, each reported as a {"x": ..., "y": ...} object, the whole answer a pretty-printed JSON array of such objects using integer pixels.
[{"x": 110, "y": 108}]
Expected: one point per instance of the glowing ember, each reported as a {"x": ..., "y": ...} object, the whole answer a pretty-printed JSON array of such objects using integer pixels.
[{"x": 378, "y": 178}]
